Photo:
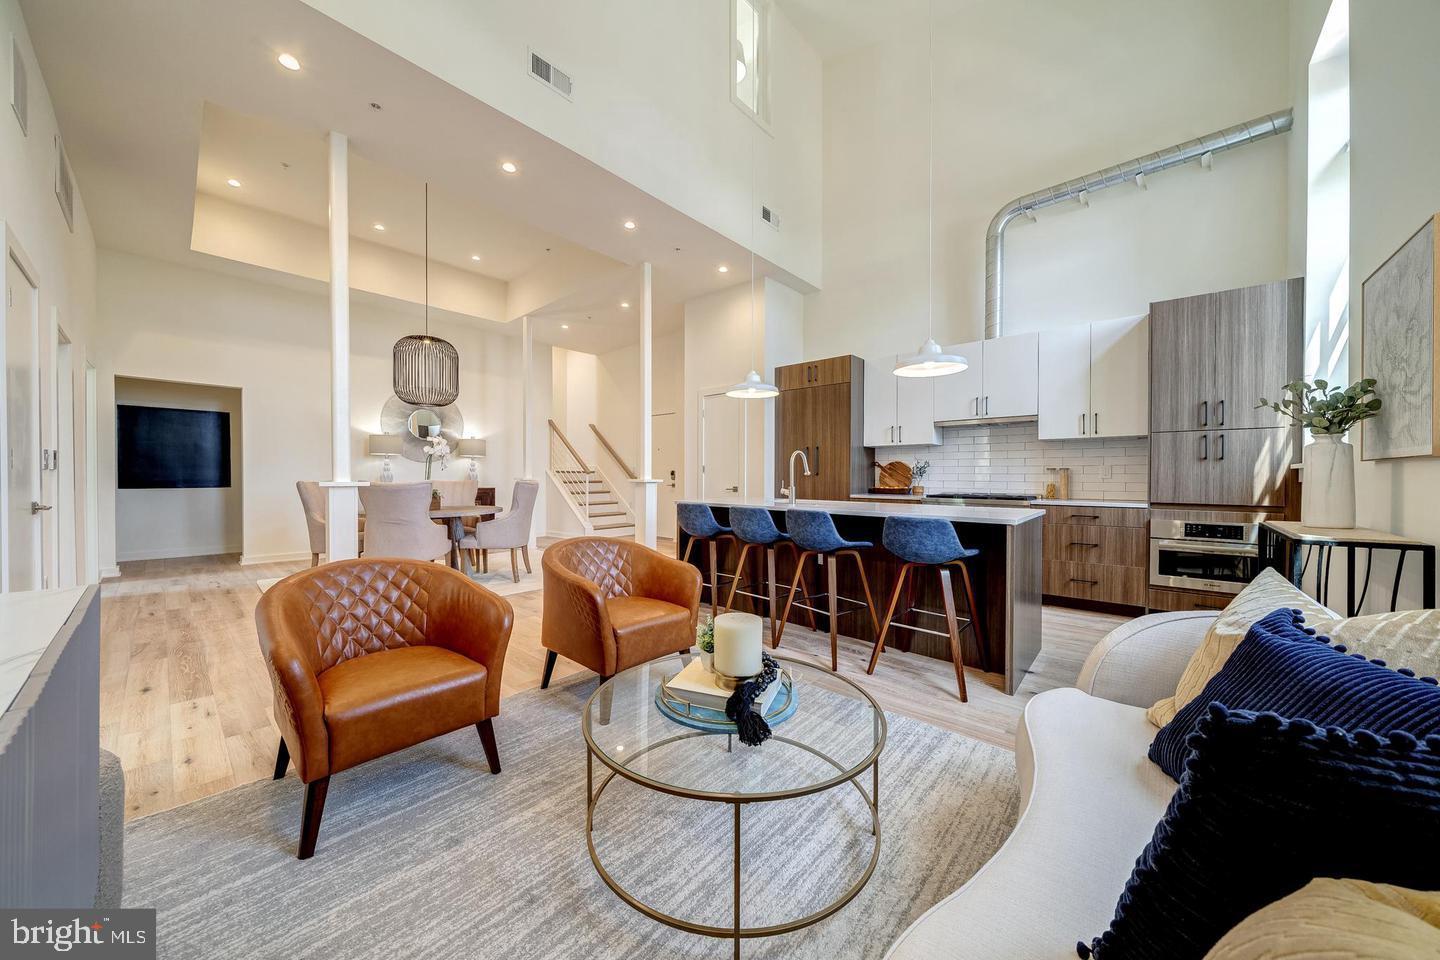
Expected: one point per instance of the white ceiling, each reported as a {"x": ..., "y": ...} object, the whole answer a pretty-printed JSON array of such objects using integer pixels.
[{"x": 131, "y": 80}]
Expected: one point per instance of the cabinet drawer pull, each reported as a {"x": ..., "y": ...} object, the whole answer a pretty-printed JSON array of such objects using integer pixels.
[
  {"x": 987, "y": 406},
  {"x": 1093, "y": 583},
  {"x": 1078, "y": 543},
  {"x": 1204, "y": 413},
  {"x": 1204, "y": 446},
  {"x": 1220, "y": 411},
  {"x": 1096, "y": 431},
  {"x": 1084, "y": 516},
  {"x": 1082, "y": 424},
  {"x": 1222, "y": 447},
  {"x": 816, "y": 461}
]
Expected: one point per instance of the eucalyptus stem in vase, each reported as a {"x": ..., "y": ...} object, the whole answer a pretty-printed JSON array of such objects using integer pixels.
[{"x": 1327, "y": 493}]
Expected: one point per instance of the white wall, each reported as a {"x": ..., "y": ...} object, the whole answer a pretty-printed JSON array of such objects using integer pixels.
[
  {"x": 1395, "y": 140},
  {"x": 651, "y": 99},
  {"x": 1028, "y": 94},
  {"x": 171, "y": 322},
  {"x": 155, "y": 523},
  {"x": 64, "y": 260}
]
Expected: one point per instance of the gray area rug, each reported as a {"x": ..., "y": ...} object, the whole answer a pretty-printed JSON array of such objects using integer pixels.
[{"x": 425, "y": 854}]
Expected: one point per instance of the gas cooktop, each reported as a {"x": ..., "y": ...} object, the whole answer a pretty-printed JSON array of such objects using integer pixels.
[{"x": 1007, "y": 497}]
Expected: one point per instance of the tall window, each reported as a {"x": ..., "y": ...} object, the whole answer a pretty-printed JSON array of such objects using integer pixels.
[
  {"x": 750, "y": 57},
  {"x": 1327, "y": 227}
]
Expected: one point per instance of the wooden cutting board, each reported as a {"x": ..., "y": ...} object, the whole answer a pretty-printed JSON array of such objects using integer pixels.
[{"x": 894, "y": 475}]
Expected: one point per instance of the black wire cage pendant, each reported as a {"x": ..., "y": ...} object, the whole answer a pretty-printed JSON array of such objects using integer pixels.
[{"x": 427, "y": 370}]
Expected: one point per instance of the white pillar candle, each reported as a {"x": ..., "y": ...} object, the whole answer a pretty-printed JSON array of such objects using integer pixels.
[{"x": 737, "y": 644}]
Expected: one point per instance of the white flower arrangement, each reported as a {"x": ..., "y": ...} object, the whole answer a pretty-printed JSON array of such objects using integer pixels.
[{"x": 437, "y": 447}]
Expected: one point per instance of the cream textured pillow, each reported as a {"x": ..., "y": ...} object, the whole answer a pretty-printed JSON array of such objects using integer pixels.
[
  {"x": 1339, "y": 920},
  {"x": 1265, "y": 593},
  {"x": 1406, "y": 638}
]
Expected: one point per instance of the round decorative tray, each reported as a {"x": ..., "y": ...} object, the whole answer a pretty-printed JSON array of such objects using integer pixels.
[{"x": 696, "y": 716}]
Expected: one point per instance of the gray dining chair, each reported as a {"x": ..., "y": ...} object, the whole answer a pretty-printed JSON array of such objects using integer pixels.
[
  {"x": 312, "y": 500},
  {"x": 398, "y": 524},
  {"x": 510, "y": 532}
]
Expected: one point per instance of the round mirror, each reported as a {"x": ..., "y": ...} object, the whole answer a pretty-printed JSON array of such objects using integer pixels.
[{"x": 424, "y": 424}]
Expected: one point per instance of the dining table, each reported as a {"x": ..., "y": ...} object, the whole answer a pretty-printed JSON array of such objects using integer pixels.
[{"x": 454, "y": 518}]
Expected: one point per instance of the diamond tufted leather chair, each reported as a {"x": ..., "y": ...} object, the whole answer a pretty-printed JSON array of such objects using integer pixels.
[
  {"x": 612, "y": 604},
  {"x": 371, "y": 656}
]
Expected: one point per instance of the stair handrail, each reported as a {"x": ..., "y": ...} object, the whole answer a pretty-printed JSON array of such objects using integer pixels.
[
  {"x": 624, "y": 467},
  {"x": 555, "y": 429}
]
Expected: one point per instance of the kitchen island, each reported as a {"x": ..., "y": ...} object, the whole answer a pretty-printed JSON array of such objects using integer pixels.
[{"x": 1007, "y": 577}]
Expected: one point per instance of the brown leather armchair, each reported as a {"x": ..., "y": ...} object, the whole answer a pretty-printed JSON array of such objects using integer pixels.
[
  {"x": 611, "y": 604},
  {"x": 372, "y": 656}
]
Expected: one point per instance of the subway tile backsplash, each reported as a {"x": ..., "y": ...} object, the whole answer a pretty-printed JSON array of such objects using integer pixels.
[{"x": 1011, "y": 458}]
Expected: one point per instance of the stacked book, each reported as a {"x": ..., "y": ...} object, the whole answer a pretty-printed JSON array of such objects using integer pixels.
[{"x": 704, "y": 689}]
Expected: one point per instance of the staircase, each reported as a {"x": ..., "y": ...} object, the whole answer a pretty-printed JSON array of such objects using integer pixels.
[{"x": 587, "y": 490}]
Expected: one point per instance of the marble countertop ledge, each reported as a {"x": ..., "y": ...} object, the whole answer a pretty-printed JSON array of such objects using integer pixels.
[
  {"x": 29, "y": 621},
  {"x": 958, "y": 513},
  {"x": 1131, "y": 504}
]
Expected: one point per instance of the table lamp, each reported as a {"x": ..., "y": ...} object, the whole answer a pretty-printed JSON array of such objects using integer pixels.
[
  {"x": 385, "y": 445},
  {"x": 472, "y": 449}
]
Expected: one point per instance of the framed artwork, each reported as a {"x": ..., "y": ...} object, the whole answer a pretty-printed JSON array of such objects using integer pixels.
[{"x": 1400, "y": 348}]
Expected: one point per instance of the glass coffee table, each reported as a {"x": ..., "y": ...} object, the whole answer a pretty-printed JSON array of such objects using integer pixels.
[{"x": 833, "y": 738}]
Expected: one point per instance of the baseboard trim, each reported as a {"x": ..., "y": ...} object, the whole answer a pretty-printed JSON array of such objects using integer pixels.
[
  {"x": 175, "y": 553},
  {"x": 110, "y": 573},
  {"x": 252, "y": 559}
]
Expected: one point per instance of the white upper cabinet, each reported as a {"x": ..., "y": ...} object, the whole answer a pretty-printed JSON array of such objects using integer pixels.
[
  {"x": 1064, "y": 382},
  {"x": 898, "y": 410},
  {"x": 1095, "y": 380},
  {"x": 957, "y": 397},
  {"x": 1120, "y": 377},
  {"x": 1011, "y": 376}
]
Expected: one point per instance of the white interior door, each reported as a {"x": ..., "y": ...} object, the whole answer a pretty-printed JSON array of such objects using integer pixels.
[
  {"x": 1120, "y": 377},
  {"x": 22, "y": 430},
  {"x": 957, "y": 396},
  {"x": 722, "y": 447},
  {"x": 92, "y": 476},
  {"x": 666, "y": 455},
  {"x": 1012, "y": 370},
  {"x": 1064, "y": 387},
  {"x": 64, "y": 573}
]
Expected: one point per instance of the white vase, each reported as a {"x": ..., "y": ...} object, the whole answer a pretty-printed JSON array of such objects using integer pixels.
[
  {"x": 1327, "y": 493},
  {"x": 707, "y": 660}
]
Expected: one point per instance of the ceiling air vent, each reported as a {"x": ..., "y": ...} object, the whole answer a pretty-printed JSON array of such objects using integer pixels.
[
  {"x": 19, "y": 87},
  {"x": 550, "y": 75},
  {"x": 64, "y": 186}
]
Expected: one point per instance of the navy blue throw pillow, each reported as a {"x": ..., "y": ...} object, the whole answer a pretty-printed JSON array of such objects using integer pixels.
[
  {"x": 1282, "y": 667},
  {"x": 1265, "y": 806}
]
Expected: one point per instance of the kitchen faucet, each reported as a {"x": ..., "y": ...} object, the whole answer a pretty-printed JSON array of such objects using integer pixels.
[{"x": 805, "y": 462}]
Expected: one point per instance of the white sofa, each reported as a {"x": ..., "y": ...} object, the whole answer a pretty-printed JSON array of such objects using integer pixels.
[{"x": 1090, "y": 800}]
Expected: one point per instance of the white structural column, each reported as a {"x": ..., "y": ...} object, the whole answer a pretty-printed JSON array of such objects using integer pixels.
[
  {"x": 527, "y": 361},
  {"x": 342, "y": 541},
  {"x": 646, "y": 487}
]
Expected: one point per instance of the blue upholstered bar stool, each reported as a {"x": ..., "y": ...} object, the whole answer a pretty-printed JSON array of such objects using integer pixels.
[
  {"x": 814, "y": 533},
  {"x": 931, "y": 542},
  {"x": 756, "y": 529},
  {"x": 698, "y": 521}
]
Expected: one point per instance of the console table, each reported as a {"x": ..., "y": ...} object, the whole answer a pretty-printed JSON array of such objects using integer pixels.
[{"x": 1287, "y": 546}]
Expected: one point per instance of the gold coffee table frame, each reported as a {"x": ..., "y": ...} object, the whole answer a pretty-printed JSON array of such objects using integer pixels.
[{"x": 850, "y": 775}]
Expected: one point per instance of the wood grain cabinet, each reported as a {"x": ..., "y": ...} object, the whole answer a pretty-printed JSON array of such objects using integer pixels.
[
  {"x": 1097, "y": 554},
  {"x": 820, "y": 410},
  {"x": 1212, "y": 358}
]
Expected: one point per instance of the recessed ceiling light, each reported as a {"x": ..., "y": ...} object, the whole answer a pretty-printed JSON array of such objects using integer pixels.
[
  {"x": 509, "y": 167},
  {"x": 288, "y": 61},
  {"x": 629, "y": 224},
  {"x": 723, "y": 269},
  {"x": 380, "y": 227},
  {"x": 625, "y": 304},
  {"x": 233, "y": 182},
  {"x": 475, "y": 257},
  {"x": 564, "y": 326}
]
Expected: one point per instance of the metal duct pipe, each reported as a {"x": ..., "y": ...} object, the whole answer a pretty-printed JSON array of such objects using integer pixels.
[{"x": 1229, "y": 138}]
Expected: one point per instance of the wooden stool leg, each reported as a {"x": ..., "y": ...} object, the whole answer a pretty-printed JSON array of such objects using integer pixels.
[
  {"x": 484, "y": 561},
  {"x": 830, "y": 588},
  {"x": 975, "y": 626},
  {"x": 865, "y": 585},
  {"x": 770, "y": 588},
  {"x": 805, "y": 590},
  {"x": 789, "y": 600},
  {"x": 889, "y": 616},
  {"x": 714, "y": 580},
  {"x": 947, "y": 593},
  {"x": 685, "y": 557},
  {"x": 739, "y": 572}
]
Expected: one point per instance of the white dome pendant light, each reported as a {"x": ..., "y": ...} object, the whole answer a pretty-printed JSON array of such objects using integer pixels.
[
  {"x": 752, "y": 387},
  {"x": 930, "y": 360}
]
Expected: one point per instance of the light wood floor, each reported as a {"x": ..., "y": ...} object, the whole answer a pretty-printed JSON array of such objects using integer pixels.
[{"x": 186, "y": 703}]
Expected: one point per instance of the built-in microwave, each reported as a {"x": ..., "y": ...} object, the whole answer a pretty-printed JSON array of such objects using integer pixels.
[{"x": 1203, "y": 555}]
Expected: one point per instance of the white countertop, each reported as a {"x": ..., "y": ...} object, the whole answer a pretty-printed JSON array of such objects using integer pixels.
[
  {"x": 1003, "y": 516},
  {"x": 1132, "y": 504},
  {"x": 28, "y": 622}
]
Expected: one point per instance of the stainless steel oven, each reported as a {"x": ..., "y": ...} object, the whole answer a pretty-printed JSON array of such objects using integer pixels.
[{"x": 1204, "y": 555}]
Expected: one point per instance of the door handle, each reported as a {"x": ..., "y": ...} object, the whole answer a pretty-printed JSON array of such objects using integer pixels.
[
  {"x": 1222, "y": 447},
  {"x": 1096, "y": 431},
  {"x": 1204, "y": 446},
  {"x": 987, "y": 406},
  {"x": 36, "y": 507},
  {"x": 977, "y": 406},
  {"x": 1204, "y": 413},
  {"x": 901, "y": 428},
  {"x": 734, "y": 489},
  {"x": 1082, "y": 424},
  {"x": 816, "y": 471},
  {"x": 1220, "y": 411}
]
